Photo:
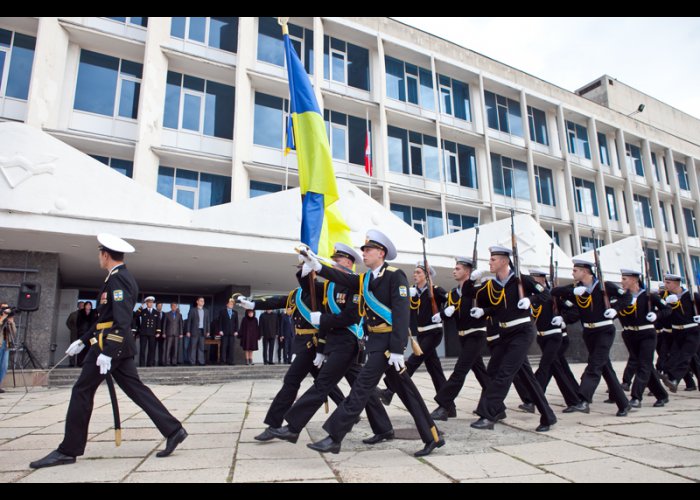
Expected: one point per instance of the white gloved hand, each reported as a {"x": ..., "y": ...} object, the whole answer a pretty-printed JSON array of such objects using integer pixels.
[
  {"x": 311, "y": 262},
  {"x": 580, "y": 290},
  {"x": 476, "y": 312},
  {"x": 319, "y": 359},
  {"x": 293, "y": 358},
  {"x": 413, "y": 291},
  {"x": 397, "y": 361},
  {"x": 610, "y": 313},
  {"x": 436, "y": 318},
  {"x": 654, "y": 290},
  {"x": 476, "y": 275},
  {"x": 247, "y": 304},
  {"x": 524, "y": 303},
  {"x": 316, "y": 318},
  {"x": 672, "y": 299},
  {"x": 557, "y": 321},
  {"x": 75, "y": 348},
  {"x": 449, "y": 311},
  {"x": 651, "y": 317},
  {"x": 105, "y": 363},
  {"x": 696, "y": 319}
]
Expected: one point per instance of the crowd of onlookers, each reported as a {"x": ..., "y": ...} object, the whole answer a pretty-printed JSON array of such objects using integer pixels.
[{"x": 166, "y": 338}]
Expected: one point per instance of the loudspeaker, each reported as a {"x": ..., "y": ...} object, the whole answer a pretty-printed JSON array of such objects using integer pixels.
[{"x": 28, "y": 299}]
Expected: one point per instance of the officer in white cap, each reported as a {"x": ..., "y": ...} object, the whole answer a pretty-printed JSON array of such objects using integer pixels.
[
  {"x": 112, "y": 350},
  {"x": 148, "y": 324},
  {"x": 598, "y": 330},
  {"x": 384, "y": 298}
]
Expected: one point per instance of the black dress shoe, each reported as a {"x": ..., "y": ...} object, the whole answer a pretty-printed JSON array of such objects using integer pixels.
[
  {"x": 690, "y": 388},
  {"x": 528, "y": 407},
  {"x": 174, "y": 439},
  {"x": 53, "y": 458},
  {"x": 501, "y": 416},
  {"x": 660, "y": 402},
  {"x": 624, "y": 412},
  {"x": 625, "y": 386},
  {"x": 635, "y": 403},
  {"x": 429, "y": 447},
  {"x": 482, "y": 423},
  {"x": 385, "y": 396},
  {"x": 265, "y": 435},
  {"x": 325, "y": 445},
  {"x": 582, "y": 407},
  {"x": 285, "y": 434},
  {"x": 542, "y": 428},
  {"x": 609, "y": 401},
  {"x": 378, "y": 438},
  {"x": 671, "y": 384},
  {"x": 440, "y": 413}
]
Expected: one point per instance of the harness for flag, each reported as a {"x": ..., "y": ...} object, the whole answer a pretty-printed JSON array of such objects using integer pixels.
[{"x": 321, "y": 222}]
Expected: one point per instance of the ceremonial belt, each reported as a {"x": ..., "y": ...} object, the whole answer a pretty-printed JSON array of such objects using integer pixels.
[
  {"x": 305, "y": 331},
  {"x": 373, "y": 303},
  {"x": 356, "y": 329},
  {"x": 422, "y": 329},
  {"x": 493, "y": 337},
  {"x": 664, "y": 330},
  {"x": 635, "y": 328},
  {"x": 597, "y": 324},
  {"x": 381, "y": 328},
  {"x": 304, "y": 311},
  {"x": 106, "y": 324},
  {"x": 110, "y": 336},
  {"x": 515, "y": 322},
  {"x": 549, "y": 332},
  {"x": 684, "y": 327},
  {"x": 462, "y": 333}
]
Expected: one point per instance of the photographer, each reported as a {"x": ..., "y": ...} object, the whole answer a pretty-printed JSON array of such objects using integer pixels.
[{"x": 8, "y": 331}]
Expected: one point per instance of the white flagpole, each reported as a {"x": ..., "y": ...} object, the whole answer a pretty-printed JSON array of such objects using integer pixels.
[{"x": 369, "y": 147}]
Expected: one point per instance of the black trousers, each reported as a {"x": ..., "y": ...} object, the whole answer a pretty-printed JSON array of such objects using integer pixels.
[
  {"x": 337, "y": 365},
  {"x": 598, "y": 342},
  {"x": 83, "y": 397},
  {"x": 550, "y": 365},
  {"x": 227, "y": 349},
  {"x": 632, "y": 362},
  {"x": 428, "y": 342},
  {"x": 469, "y": 359},
  {"x": 663, "y": 350},
  {"x": 565, "y": 368},
  {"x": 684, "y": 352},
  {"x": 284, "y": 399},
  {"x": 343, "y": 418},
  {"x": 508, "y": 360},
  {"x": 269, "y": 350},
  {"x": 148, "y": 344},
  {"x": 160, "y": 350},
  {"x": 641, "y": 345}
]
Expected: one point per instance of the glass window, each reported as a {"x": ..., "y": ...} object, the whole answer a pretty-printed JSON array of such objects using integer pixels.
[
  {"x": 578, "y": 140},
  {"x": 409, "y": 83},
  {"x": 503, "y": 114},
  {"x": 510, "y": 177},
  {"x": 663, "y": 215},
  {"x": 538, "y": 125},
  {"x": 357, "y": 135},
  {"x": 587, "y": 244},
  {"x": 271, "y": 42},
  {"x": 435, "y": 224},
  {"x": 457, "y": 222},
  {"x": 427, "y": 98},
  {"x": 682, "y": 175},
  {"x": 402, "y": 212},
  {"x": 612, "y": 203},
  {"x": 603, "y": 149},
  {"x": 652, "y": 256},
  {"x": 545, "y": 186},
  {"x": 346, "y": 63},
  {"x": 642, "y": 211},
  {"x": 358, "y": 67},
  {"x": 124, "y": 167},
  {"x": 586, "y": 201},
  {"x": 259, "y": 188},
  {"x": 657, "y": 175},
  {"x": 634, "y": 159},
  {"x": 467, "y": 166},
  {"x": 218, "y": 32},
  {"x": 690, "y": 222},
  {"x": 398, "y": 149},
  {"x": 395, "y": 86},
  {"x": 269, "y": 120},
  {"x": 695, "y": 263},
  {"x": 194, "y": 189},
  {"x": 16, "y": 59},
  {"x": 454, "y": 98},
  {"x": 431, "y": 158},
  {"x": 137, "y": 21}
]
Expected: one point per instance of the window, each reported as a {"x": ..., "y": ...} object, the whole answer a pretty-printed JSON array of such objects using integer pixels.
[
  {"x": 418, "y": 217},
  {"x": 194, "y": 189},
  {"x": 578, "y": 140},
  {"x": 345, "y": 63},
  {"x": 510, "y": 177},
  {"x": 682, "y": 175},
  {"x": 409, "y": 83},
  {"x": 124, "y": 167},
  {"x": 460, "y": 164},
  {"x": 271, "y": 43},
  {"x": 259, "y": 188},
  {"x": 454, "y": 98},
  {"x": 218, "y": 32},
  {"x": 652, "y": 257},
  {"x": 634, "y": 159},
  {"x": 695, "y": 264},
  {"x": 657, "y": 174},
  {"x": 603, "y": 149},
  {"x": 107, "y": 85},
  {"x": 346, "y": 135},
  {"x": 16, "y": 59},
  {"x": 544, "y": 185},
  {"x": 587, "y": 244},
  {"x": 538, "y": 125},
  {"x": 412, "y": 152},
  {"x": 612, "y": 204},
  {"x": 681, "y": 267},
  {"x": 586, "y": 200},
  {"x": 136, "y": 21},
  {"x": 457, "y": 222},
  {"x": 270, "y": 120},
  {"x": 503, "y": 114},
  {"x": 673, "y": 218},
  {"x": 642, "y": 211},
  {"x": 201, "y": 106},
  {"x": 690, "y": 222},
  {"x": 663, "y": 159},
  {"x": 663, "y": 215}
]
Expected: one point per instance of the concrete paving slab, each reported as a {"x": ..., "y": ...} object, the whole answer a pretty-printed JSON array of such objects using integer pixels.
[
  {"x": 646, "y": 430},
  {"x": 84, "y": 471},
  {"x": 551, "y": 452},
  {"x": 691, "y": 441},
  {"x": 128, "y": 449},
  {"x": 612, "y": 470},
  {"x": 689, "y": 472},
  {"x": 213, "y": 475},
  {"x": 386, "y": 466},
  {"x": 183, "y": 459},
  {"x": 656, "y": 455},
  {"x": 12, "y": 477},
  {"x": 481, "y": 466},
  {"x": 209, "y": 441},
  {"x": 304, "y": 469},
  {"x": 275, "y": 449},
  {"x": 535, "y": 478}
]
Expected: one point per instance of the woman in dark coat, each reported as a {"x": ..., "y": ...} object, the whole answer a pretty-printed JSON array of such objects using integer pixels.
[
  {"x": 86, "y": 318},
  {"x": 249, "y": 333}
]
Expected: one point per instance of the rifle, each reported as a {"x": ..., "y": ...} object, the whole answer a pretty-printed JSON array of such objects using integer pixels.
[
  {"x": 474, "y": 253},
  {"x": 552, "y": 271},
  {"x": 691, "y": 282},
  {"x": 516, "y": 258},
  {"x": 431, "y": 292},
  {"x": 647, "y": 274},
  {"x": 599, "y": 272}
]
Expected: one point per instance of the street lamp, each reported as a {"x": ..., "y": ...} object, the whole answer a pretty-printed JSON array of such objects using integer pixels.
[{"x": 639, "y": 110}]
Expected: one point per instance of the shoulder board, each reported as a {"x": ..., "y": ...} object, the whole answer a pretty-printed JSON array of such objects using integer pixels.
[{"x": 392, "y": 268}]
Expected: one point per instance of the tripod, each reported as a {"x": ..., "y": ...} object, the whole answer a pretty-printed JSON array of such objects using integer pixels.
[{"x": 22, "y": 355}]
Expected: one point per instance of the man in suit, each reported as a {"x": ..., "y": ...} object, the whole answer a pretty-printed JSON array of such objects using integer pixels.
[
  {"x": 197, "y": 329},
  {"x": 149, "y": 327},
  {"x": 172, "y": 328},
  {"x": 228, "y": 330},
  {"x": 72, "y": 324},
  {"x": 160, "y": 336}
]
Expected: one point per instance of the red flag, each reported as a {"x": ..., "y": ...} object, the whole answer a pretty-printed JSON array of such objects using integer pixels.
[{"x": 368, "y": 156}]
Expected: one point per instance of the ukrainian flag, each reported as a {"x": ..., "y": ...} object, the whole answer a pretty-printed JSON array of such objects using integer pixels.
[{"x": 321, "y": 223}]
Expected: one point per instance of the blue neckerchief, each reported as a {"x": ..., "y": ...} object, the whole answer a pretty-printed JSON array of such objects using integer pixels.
[
  {"x": 335, "y": 309},
  {"x": 503, "y": 283},
  {"x": 373, "y": 303},
  {"x": 590, "y": 289},
  {"x": 303, "y": 308}
]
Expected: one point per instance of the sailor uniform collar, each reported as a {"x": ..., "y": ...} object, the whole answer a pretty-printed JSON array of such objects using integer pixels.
[{"x": 503, "y": 283}]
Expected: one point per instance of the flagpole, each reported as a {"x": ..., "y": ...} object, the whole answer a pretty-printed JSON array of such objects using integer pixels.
[{"x": 369, "y": 181}]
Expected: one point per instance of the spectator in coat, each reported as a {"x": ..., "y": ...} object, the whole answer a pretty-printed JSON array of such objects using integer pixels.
[
  {"x": 72, "y": 324},
  {"x": 268, "y": 331},
  {"x": 197, "y": 329},
  {"x": 286, "y": 336},
  {"x": 85, "y": 320},
  {"x": 228, "y": 330},
  {"x": 249, "y": 334},
  {"x": 173, "y": 329}
]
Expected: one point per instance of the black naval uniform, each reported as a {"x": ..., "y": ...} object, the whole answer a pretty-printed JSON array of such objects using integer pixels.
[
  {"x": 303, "y": 347},
  {"x": 664, "y": 343},
  {"x": 641, "y": 342},
  {"x": 598, "y": 335},
  {"x": 342, "y": 347},
  {"x": 510, "y": 335},
  {"x": 390, "y": 287},
  {"x": 472, "y": 339},
  {"x": 149, "y": 326},
  {"x": 112, "y": 337},
  {"x": 686, "y": 338}
]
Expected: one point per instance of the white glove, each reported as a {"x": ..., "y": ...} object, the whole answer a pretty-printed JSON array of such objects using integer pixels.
[
  {"x": 651, "y": 317},
  {"x": 524, "y": 303},
  {"x": 293, "y": 358},
  {"x": 247, "y": 304},
  {"x": 557, "y": 321},
  {"x": 436, "y": 318},
  {"x": 75, "y": 348},
  {"x": 696, "y": 319},
  {"x": 672, "y": 299},
  {"x": 310, "y": 262},
  {"x": 610, "y": 313},
  {"x": 239, "y": 298},
  {"x": 654, "y": 290},
  {"x": 580, "y": 290},
  {"x": 476, "y": 312},
  {"x": 319, "y": 359},
  {"x": 105, "y": 363},
  {"x": 413, "y": 291},
  {"x": 449, "y": 311},
  {"x": 476, "y": 275},
  {"x": 397, "y": 361},
  {"x": 316, "y": 318}
]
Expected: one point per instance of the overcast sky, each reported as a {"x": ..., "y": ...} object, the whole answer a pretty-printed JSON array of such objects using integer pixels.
[{"x": 658, "y": 56}]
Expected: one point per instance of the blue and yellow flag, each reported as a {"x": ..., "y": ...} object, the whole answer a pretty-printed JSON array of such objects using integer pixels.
[{"x": 321, "y": 222}]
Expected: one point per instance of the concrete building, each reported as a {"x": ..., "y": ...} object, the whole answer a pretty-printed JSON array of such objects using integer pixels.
[{"x": 188, "y": 114}]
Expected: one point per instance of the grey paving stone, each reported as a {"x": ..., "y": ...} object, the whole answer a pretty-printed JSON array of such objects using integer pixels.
[
  {"x": 656, "y": 455},
  {"x": 213, "y": 475},
  {"x": 303, "y": 469},
  {"x": 551, "y": 452},
  {"x": 611, "y": 470},
  {"x": 481, "y": 466}
]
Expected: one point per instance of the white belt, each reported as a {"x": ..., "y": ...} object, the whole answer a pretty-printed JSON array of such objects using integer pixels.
[
  {"x": 422, "y": 329},
  {"x": 493, "y": 337},
  {"x": 599, "y": 323},
  {"x": 664, "y": 330},
  {"x": 515, "y": 322},
  {"x": 462, "y": 333},
  {"x": 684, "y": 327},
  {"x": 638, "y": 328},
  {"x": 549, "y": 332}
]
